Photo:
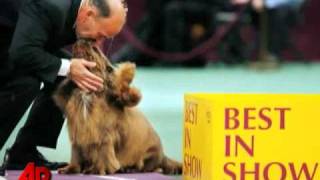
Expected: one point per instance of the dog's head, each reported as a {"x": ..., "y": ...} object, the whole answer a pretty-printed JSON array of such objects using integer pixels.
[{"x": 86, "y": 49}]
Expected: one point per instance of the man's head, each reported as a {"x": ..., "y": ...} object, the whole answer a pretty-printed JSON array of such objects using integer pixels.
[{"x": 99, "y": 19}]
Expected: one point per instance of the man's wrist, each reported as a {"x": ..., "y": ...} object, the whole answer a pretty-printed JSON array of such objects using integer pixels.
[{"x": 64, "y": 68}]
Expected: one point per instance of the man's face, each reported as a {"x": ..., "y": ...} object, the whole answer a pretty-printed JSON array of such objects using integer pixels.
[{"x": 90, "y": 24}]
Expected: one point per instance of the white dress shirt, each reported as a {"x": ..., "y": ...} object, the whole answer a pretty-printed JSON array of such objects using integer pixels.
[{"x": 65, "y": 63}]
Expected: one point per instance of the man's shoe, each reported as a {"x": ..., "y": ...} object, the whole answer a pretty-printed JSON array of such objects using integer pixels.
[{"x": 15, "y": 161}]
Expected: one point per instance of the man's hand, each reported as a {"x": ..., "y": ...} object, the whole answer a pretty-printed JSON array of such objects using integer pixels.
[{"x": 84, "y": 79}]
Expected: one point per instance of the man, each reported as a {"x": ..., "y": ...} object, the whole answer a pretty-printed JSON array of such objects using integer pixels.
[
  {"x": 272, "y": 19},
  {"x": 33, "y": 55}
]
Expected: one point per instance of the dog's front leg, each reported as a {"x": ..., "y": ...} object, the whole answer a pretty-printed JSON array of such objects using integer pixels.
[
  {"x": 109, "y": 158},
  {"x": 74, "y": 166},
  {"x": 96, "y": 165}
]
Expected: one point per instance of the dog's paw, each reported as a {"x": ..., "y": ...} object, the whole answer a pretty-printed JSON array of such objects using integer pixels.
[
  {"x": 113, "y": 167},
  {"x": 69, "y": 169},
  {"x": 129, "y": 170},
  {"x": 158, "y": 170},
  {"x": 94, "y": 170}
]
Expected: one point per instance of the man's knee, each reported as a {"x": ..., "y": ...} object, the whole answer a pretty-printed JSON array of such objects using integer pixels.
[{"x": 29, "y": 84}]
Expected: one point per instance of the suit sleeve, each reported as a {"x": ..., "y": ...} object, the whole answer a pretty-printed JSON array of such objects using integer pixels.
[
  {"x": 63, "y": 53},
  {"x": 28, "y": 47}
]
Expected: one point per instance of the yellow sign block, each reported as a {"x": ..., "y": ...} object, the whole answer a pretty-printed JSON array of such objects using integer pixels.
[{"x": 251, "y": 137}]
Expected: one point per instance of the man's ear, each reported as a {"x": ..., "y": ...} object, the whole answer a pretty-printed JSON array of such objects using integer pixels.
[
  {"x": 91, "y": 11},
  {"x": 85, "y": 12}
]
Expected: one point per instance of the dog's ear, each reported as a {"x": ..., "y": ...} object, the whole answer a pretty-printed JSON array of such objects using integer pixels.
[
  {"x": 125, "y": 72},
  {"x": 128, "y": 98},
  {"x": 109, "y": 68},
  {"x": 63, "y": 93},
  {"x": 131, "y": 97},
  {"x": 120, "y": 93}
]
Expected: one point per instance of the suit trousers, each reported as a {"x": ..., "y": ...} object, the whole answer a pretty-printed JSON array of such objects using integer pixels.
[{"x": 17, "y": 92}]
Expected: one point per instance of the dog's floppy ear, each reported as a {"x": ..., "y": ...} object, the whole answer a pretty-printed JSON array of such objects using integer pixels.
[
  {"x": 131, "y": 97},
  {"x": 125, "y": 73},
  {"x": 119, "y": 92},
  {"x": 63, "y": 92},
  {"x": 128, "y": 98}
]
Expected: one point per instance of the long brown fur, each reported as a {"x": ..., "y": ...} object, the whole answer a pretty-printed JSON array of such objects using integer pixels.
[{"x": 107, "y": 132}]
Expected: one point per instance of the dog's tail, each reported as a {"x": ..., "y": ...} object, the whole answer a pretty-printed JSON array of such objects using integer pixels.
[{"x": 170, "y": 166}]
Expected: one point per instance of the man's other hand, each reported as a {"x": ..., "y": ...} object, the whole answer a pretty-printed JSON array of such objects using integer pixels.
[{"x": 84, "y": 79}]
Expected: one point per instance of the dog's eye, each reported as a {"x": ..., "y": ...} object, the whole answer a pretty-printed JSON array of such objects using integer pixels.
[{"x": 110, "y": 69}]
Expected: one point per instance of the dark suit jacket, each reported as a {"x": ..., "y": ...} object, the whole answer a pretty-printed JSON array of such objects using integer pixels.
[
  {"x": 43, "y": 27},
  {"x": 8, "y": 12}
]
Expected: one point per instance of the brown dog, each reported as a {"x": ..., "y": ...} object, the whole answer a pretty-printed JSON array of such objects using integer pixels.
[{"x": 107, "y": 132}]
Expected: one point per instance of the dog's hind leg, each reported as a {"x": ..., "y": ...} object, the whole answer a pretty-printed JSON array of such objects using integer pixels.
[
  {"x": 152, "y": 160},
  {"x": 138, "y": 167},
  {"x": 170, "y": 166}
]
